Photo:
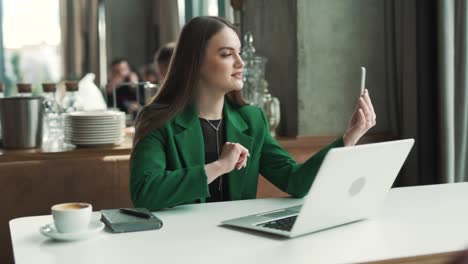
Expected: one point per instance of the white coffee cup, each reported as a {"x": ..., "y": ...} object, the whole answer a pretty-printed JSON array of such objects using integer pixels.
[{"x": 72, "y": 217}]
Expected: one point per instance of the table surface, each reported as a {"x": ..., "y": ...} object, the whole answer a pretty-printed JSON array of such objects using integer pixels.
[{"x": 414, "y": 221}]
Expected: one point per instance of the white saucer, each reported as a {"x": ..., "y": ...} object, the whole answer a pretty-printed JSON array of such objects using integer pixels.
[{"x": 50, "y": 231}]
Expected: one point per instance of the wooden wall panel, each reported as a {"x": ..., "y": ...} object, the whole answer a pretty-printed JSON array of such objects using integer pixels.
[{"x": 30, "y": 188}]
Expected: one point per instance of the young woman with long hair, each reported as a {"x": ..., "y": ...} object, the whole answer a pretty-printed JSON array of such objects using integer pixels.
[{"x": 198, "y": 140}]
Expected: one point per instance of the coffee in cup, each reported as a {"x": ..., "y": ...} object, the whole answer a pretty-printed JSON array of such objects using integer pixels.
[{"x": 72, "y": 217}]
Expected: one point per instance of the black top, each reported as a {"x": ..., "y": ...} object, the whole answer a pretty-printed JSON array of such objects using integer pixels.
[{"x": 219, "y": 189}]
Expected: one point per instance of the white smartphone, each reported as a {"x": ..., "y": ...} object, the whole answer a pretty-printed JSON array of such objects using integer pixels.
[{"x": 363, "y": 80}]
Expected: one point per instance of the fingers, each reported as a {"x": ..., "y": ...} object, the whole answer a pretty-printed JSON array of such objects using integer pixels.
[
  {"x": 363, "y": 107},
  {"x": 368, "y": 101},
  {"x": 368, "y": 112},
  {"x": 357, "y": 129},
  {"x": 241, "y": 164},
  {"x": 243, "y": 153},
  {"x": 362, "y": 119},
  {"x": 243, "y": 156}
]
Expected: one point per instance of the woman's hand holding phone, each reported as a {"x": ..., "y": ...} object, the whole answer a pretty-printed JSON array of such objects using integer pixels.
[{"x": 363, "y": 118}]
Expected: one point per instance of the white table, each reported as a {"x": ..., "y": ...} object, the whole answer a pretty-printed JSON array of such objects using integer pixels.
[{"x": 414, "y": 221}]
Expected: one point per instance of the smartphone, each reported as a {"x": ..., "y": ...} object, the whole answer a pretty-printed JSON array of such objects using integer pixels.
[{"x": 363, "y": 80}]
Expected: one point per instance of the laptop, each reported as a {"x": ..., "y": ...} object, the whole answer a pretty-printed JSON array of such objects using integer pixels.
[{"x": 351, "y": 185}]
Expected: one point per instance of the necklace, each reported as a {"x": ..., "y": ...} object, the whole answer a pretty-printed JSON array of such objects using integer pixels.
[
  {"x": 216, "y": 128},
  {"x": 213, "y": 126}
]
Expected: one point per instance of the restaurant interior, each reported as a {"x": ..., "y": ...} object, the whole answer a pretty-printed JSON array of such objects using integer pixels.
[{"x": 75, "y": 74}]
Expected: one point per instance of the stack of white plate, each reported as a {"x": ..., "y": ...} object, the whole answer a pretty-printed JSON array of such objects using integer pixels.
[{"x": 94, "y": 128}]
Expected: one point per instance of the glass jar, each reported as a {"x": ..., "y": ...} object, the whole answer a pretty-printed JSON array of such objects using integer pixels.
[
  {"x": 271, "y": 107},
  {"x": 255, "y": 89}
]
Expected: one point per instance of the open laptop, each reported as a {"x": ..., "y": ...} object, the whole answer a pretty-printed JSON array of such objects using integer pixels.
[{"x": 351, "y": 185}]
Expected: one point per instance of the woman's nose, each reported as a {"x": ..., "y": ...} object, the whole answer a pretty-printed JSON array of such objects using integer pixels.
[{"x": 239, "y": 62}]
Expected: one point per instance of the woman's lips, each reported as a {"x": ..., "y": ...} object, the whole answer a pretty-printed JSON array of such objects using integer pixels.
[{"x": 237, "y": 75}]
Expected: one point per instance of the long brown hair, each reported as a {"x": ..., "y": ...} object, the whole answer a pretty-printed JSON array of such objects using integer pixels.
[{"x": 178, "y": 89}]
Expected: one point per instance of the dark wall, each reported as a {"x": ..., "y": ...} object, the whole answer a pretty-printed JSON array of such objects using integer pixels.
[
  {"x": 130, "y": 32},
  {"x": 274, "y": 27}
]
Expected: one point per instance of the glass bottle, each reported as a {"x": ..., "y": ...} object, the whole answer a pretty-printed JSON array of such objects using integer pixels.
[
  {"x": 247, "y": 55},
  {"x": 254, "y": 72},
  {"x": 257, "y": 75},
  {"x": 248, "y": 51},
  {"x": 71, "y": 102},
  {"x": 53, "y": 125}
]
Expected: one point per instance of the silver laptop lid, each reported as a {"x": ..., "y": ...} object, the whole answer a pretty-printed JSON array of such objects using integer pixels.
[{"x": 351, "y": 184}]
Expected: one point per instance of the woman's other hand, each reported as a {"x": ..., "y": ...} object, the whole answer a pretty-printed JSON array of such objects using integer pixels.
[
  {"x": 233, "y": 155},
  {"x": 361, "y": 121}
]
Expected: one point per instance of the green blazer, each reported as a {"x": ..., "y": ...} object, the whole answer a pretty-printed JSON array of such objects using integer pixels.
[{"x": 168, "y": 165}]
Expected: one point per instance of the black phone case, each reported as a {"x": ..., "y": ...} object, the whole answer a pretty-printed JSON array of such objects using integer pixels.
[{"x": 118, "y": 222}]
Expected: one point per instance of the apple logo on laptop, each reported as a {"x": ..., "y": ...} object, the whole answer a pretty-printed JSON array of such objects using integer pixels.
[{"x": 357, "y": 186}]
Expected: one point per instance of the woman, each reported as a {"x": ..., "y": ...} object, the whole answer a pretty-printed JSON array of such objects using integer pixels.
[{"x": 198, "y": 141}]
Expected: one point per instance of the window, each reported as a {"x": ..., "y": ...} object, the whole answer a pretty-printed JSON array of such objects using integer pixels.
[
  {"x": 31, "y": 39},
  {"x": 189, "y": 9}
]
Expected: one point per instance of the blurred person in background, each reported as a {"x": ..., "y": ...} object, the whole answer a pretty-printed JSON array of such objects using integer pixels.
[
  {"x": 149, "y": 73},
  {"x": 121, "y": 78},
  {"x": 162, "y": 58}
]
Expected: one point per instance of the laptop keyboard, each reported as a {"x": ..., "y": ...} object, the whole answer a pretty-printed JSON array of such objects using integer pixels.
[{"x": 284, "y": 224}]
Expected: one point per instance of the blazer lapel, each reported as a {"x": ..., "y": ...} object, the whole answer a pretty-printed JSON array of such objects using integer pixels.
[
  {"x": 235, "y": 127},
  {"x": 190, "y": 144},
  {"x": 189, "y": 140}
]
